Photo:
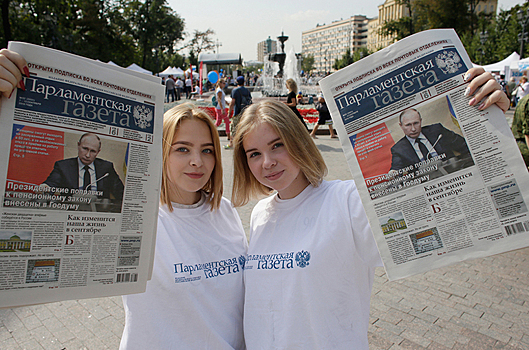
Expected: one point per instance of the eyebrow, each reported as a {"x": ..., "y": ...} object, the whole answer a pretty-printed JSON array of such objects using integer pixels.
[
  {"x": 187, "y": 143},
  {"x": 269, "y": 143}
]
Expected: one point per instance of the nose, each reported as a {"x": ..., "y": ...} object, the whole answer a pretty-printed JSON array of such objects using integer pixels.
[
  {"x": 268, "y": 161},
  {"x": 196, "y": 159}
]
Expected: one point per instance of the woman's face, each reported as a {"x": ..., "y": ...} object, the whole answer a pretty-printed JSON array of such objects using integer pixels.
[
  {"x": 191, "y": 161},
  {"x": 270, "y": 163}
]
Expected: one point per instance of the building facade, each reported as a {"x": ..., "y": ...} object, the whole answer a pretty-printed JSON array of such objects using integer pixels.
[
  {"x": 327, "y": 43},
  {"x": 390, "y": 10},
  {"x": 266, "y": 47}
]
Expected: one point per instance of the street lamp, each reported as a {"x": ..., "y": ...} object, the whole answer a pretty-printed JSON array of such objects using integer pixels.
[{"x": 523, "y": 19}]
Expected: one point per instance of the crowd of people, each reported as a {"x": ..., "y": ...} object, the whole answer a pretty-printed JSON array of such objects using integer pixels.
[{"x": 302, "y": 281}]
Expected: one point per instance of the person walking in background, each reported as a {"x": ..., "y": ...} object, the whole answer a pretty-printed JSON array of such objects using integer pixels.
[
  {"x": 324, "y": 117},
  {"x": 179, "y": 84},
  {"x": 511, "y": 86},
  {"x": 220, "y": 109},
  {"x": 241, "y": 98},
  {"x": 188, "y": 86},
  {"x": 520, "y": 127},
  {"x": 170, "y": 88},
  {"x": 292, "y": 99},
  {"x": 523, "y": 89}
]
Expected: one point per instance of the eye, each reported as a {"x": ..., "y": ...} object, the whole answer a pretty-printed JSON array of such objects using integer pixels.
[
  {"x": 207, "y": 151},
  {"x": 253, "y": 154},
  {"x": 180, "y": 149},
  {"x": 277, "y": 145}
]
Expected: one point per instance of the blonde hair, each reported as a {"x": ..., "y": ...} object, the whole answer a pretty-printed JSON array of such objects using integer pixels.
[
  {"x": 221, "y": 80},
  {"x": 172, "y": 120},
  {"x": 292, "y": 85},
  {"x": 293, "y": 134}
]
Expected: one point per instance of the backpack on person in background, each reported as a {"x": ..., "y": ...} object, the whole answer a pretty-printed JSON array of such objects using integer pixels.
[{"x": 214, "y": 101}]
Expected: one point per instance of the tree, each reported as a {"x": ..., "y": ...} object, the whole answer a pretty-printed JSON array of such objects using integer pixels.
[
  {"x": 200, "y": 42},
  {"x": 156, "y": 29},
  {"x": 307, "y": 63},
  {"x": 501, "y": 36},
  {"x": 348, "y": 59},
  {"x": 430, "y": 14},
  {"x": 124, "y": 31},
  {"x": 402, "y": 27},
  {"x": 343, "y": 61}
]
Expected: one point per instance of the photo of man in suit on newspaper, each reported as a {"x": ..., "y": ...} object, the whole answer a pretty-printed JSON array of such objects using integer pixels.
[{"x": 86, "y": 172}]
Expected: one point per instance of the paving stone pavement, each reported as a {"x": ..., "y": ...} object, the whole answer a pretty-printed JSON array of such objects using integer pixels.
[{"x": 478, "y": 304}]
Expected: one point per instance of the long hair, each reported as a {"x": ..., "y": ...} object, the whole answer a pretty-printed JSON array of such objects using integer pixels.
[
  {"x": 292, "y": 85},
  {"x": 172, "y": 120},
  {"x": 299, "y": 145}
]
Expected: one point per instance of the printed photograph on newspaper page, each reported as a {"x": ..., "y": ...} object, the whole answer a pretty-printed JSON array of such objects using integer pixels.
[
  {"x": 441, "y": 182},
  {"x": 81, "y": 151}
]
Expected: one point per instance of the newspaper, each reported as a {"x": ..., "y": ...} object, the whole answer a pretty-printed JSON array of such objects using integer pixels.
[
  {"x": 69, "y": 232},
  {"x": 457, "y": 196}
]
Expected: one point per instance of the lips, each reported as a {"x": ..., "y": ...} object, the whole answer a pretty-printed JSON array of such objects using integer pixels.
[
  {"x": 195, "y": 175},
  {"x": 275, "y": 175}
]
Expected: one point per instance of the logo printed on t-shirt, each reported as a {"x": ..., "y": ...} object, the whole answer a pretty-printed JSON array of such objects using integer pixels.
[
  {"x": 278, "y": 261},
  {"x": 209, "y": 269}
]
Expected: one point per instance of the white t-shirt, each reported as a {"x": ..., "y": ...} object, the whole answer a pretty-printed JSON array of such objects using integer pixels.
[
  {"x": 309, "y": 271},
  {"x": 523, "y": 89},
  {"x": 221, "y": 103},
  {"x": 195, "y": 297}
]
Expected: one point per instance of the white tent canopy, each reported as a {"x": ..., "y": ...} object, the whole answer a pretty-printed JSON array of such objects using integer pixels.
[
  {"x": 137, "y": 68},
  {"x": 195, "y": 74},
  {"x": 172, "y": 71},
  {"x": 500, "y": 66}
]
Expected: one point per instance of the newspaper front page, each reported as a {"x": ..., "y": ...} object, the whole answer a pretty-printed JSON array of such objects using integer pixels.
[
  {"x": 68, "y": 231},
  {"x": 441, "y": 182}
]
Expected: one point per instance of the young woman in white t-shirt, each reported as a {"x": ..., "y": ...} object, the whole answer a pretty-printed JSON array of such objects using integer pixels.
[
  {"x": 195, "y": 297},
  {"x": 310, "y": 264},
  {"x": 220, "y": 110}
]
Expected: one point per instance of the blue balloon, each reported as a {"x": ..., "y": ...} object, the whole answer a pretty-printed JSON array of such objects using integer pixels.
[{"x": 213, "y": 77}]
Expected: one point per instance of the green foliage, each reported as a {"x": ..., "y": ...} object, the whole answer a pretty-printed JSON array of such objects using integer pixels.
[
  {"x": 348, "y": 59},
  {"x": 307, "y": 63},
  {"x": 123, "y": 31},
  {"x": 200, "y": 42},
  {"x": 501, "y": 37},
  {"x": 501, "y": 30}
]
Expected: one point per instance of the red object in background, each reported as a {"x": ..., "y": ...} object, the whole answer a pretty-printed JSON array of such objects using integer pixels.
[
  {"x": 373, "y": 151},
  {"x": 310, "y": 115},
  {"x": 33, "y": 153}
]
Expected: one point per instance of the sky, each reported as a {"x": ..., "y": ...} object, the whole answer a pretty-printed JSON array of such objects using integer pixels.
[{"x": 240, "y": 25}]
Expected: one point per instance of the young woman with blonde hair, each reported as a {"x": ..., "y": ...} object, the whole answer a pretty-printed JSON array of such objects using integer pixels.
[
  {"x": 311, "y": 258},
  {"x": 292, "y": 99},
  {"x": 195, "y": 297}
]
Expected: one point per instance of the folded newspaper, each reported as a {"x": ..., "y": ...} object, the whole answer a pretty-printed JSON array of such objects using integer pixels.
[
  {"x": 81, "y": 153},
  {"x": 441, "y": 182}
]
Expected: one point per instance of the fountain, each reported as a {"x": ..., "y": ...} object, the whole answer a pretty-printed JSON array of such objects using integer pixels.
[{"x": 277, "y": 68}]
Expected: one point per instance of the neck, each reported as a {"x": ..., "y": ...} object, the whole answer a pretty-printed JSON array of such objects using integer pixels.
[{"x": 298, "y": 185}]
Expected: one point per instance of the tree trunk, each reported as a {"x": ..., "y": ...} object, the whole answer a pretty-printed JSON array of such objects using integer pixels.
[{"x": 5, "y": 22}]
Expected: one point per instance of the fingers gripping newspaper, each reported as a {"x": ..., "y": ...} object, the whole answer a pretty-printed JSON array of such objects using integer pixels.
[
  {"x": 441, "y": 182},
  {"x": 81, "y": 149}
]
